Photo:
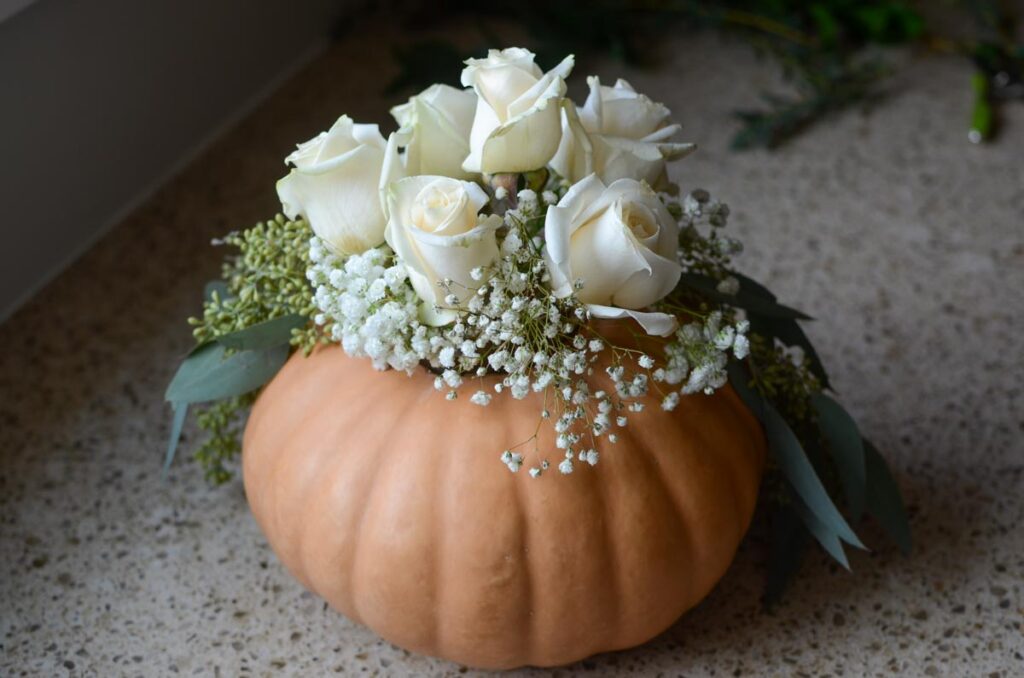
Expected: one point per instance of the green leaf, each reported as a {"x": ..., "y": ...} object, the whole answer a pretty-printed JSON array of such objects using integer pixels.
[
  {"x": 814, "y": 507},
  {"x": 741, "y": 383},
  {"x": 788, "y": 543},
  {"x": 267, "y": 334},
  {"x": 218, "y": 286},
  {"x": 883, "y": 498},
  {"x": 826, "y": 23},
  {"x": 208, "y": 374},
  {"x": 821, "y": 532},
  {"x": 844, "y": 442},
  {"x": 180, "y": 410},
  {"x": 745, "y": 298},
  {"x": 798, "y": 469}
]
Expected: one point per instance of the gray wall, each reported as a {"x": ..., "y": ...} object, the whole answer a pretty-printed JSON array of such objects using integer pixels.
[{"x": 102, "y": 100}]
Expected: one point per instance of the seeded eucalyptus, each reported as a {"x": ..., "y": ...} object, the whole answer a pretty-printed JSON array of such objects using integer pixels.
[{"x": 266, "y": 279}]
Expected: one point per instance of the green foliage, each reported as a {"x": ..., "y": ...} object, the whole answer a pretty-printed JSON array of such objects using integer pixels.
[
  {"x": 222, "y": 421},
  {"x": 782, "y": 380},
  {"x": 784, "y": 117},
  {"x": 215, "y": 372},
  {"x": 844, "y": 441},
  {"x": 251, "y": 320},
  {"x": 746, "y": 298},
  {"x": 883, "y": 499},
  {"x": 265, "y": 280},
  {"x": 821, "y": 47},
  {"x": 815, "y": 446}
]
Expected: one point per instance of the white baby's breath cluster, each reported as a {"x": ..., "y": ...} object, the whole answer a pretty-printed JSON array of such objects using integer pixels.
[
  {"x": 367, "y": 305},
  {"x": 487, "y": 236}
]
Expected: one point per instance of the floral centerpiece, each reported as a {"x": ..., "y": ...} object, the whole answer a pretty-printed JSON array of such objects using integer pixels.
[{"x": 502, "y": 245}]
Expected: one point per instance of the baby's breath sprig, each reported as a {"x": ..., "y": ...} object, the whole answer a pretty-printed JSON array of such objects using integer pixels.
[{"x": 703, "y": 248}]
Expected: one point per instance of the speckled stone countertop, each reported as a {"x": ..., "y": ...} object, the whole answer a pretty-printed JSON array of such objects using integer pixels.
[{"x": 906, "y": 243}]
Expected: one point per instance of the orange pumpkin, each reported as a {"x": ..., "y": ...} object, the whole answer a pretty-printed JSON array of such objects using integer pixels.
[{"x": 391, "y": 503}]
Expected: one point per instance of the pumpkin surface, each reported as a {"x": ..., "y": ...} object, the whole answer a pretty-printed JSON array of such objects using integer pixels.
[{"x": 391, "y": 503}]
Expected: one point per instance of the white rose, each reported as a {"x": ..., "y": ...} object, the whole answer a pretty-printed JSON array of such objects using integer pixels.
[
  {"x": 434, "y": 128},
  {"x": 517, "y": 125},
  {"x": 617, "y": 134},
  {"x": 621, "y": 242},
  {"x": 336, "y": 185},
  {"x": 436, "y": 231}
]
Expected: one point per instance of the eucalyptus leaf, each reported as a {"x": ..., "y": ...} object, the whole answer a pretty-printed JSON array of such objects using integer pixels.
[
  {"x": 741, "y": 384},
  {"x": 180, "y": 410},
  {"x": 821, "y": 532},
  {"x": 753, "y": 287},
  {"x": 744, "y": 299},
  {"x": 823, "y": 521},
  {"x": 267, "y": 334},
  {"x": 208, "y": 373},
  {"x": 883, "y": 498},
  {"x": 788, "y": 543},
  {"x": 798, "y": 469},
  {"x": 218, "y": 286},
  {"x": 844, "y": 442}
]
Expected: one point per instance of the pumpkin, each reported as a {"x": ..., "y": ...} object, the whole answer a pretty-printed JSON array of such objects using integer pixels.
[{"x": 391, "y": 503}]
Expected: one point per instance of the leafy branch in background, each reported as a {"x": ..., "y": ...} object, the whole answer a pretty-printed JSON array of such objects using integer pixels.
[
  {"x": 999, "y": 63},
  {"x": 823, "y": 47}
]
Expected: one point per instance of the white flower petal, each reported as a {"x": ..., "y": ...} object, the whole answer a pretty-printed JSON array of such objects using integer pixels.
[
  {"x": 437, "y": 124},
  {"x": 561, "y": 220},
  {"x": 517, "y": 125},
  {"x": 605, "y": 256},
  {"x": 525, "y": 143},
  {"x": 629, "y": 134},
  {"x": 657, "y": 324},
  {"x": 335, "y": 185},
  {"x": 574, "y": 158},
  {"x": 434, "y": 229}
]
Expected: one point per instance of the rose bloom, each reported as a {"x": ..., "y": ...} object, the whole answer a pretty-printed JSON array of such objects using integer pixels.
[
  {"x": 622, "y": 243},
  {"x": 336, "y": 185},
  {"x": 434, "y": 129},
  {"x": 617, "y": 133},
  {"x": 438, "y": 234},
  {"x": 516, "y": 127}
]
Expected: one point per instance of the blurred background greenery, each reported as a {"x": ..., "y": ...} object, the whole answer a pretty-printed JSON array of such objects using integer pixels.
[{"x": 832, "y": 52}]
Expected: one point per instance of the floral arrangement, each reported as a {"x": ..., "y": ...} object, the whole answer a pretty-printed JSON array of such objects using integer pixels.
[{"x": 501, "y": 229}]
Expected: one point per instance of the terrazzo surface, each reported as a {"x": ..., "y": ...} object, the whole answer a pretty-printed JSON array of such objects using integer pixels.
[{"x": 904, "y": 241}]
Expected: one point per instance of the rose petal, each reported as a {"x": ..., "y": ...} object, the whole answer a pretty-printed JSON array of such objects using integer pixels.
[
  {"x": 606, "y": 256},
  {"x": 657, "y": 324},
  {"x": 574, "y": 158}
]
